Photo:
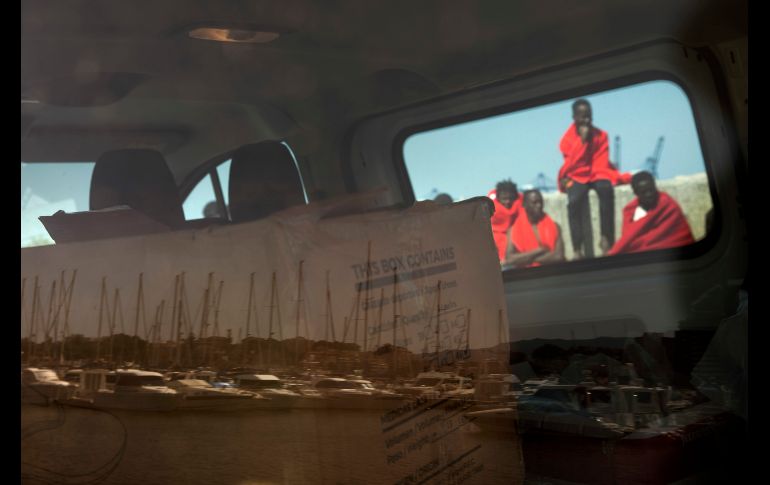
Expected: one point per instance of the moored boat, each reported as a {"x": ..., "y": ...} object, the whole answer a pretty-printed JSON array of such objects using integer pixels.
[
  {"x": 200, "y": 395},
  {"x": 43, "y": 386},
  {"x": 134, "y": 390}
]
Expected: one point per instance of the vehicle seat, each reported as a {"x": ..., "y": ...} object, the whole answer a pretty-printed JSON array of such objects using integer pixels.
[
  {"x": 263, "y": 180},
  {"x": 141, "y": 179}
]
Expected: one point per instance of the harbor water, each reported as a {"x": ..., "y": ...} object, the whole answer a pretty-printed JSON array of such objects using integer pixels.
[{"x": 69, "y": 445}]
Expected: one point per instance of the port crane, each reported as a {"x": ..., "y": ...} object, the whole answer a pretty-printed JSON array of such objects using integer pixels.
[
  {"x": 651, "y": 164},
  {"x": 543, "y": 183}
]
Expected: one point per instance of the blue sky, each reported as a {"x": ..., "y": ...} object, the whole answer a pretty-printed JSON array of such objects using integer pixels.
[{"x": 467, "y": 160}]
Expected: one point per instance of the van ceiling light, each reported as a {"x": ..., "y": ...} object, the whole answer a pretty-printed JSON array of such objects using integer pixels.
[{"x": 245, "y": 36}]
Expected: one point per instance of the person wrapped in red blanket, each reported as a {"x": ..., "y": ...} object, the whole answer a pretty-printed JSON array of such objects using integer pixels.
[
  {"x": 534, "y": 238},
  {"x": 507, "y": 203},
  {"x": 587, "y": 165},
  {"x": 653, "y": 220}
]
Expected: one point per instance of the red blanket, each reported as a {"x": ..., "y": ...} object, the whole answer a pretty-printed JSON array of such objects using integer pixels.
[
  {"x": 502, "y": 220},
  {"x": 523, "y": 236},
  {"x": 663, "y": 227},
  {"x": 588, "y": 162}
]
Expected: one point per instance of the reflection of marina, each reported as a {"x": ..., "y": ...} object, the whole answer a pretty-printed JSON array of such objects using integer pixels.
[
  {"x": 133, "y": 391},
  {"x": 200, "y": 395},
  {"x": 603, "y": 430},
  {"x": 303, "y": 446},
  {"x": 43, "y": 386},
  {"x": 599, "y": 410},
  {"x": 611, "y": 433},
  {"x": 178, "y": 317},
  {"x": 340, "y": 393},
  {"x": 272, "y": 388},
  {"x": 438, "y": 384}
]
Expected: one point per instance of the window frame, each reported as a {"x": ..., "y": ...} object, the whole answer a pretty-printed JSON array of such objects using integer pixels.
[
  {"x": 87, "y": 196},
  {"x": 210, "y": 168},
  {"x": 699, "y": 248},
  {"x": 370, "y": 154},
  {"x": 197, "y": 175}
]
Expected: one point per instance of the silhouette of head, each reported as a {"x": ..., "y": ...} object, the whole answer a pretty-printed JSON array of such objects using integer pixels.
[
  {"x": 581, "y": 113},
  {"x": 507, "y": 193},
  {"x": 533, "y": 204},
  {"x": 645, "y": 190}
]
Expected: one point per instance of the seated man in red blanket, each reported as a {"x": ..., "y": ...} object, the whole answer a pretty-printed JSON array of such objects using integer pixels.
[
  {"x": 587, "y": 166},
  {"x": 534, "y": 238},
  {"x": 653, "y": 220},
  {"x": 507, "y": 204}
]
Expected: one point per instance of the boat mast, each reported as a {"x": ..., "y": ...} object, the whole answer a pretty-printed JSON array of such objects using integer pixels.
[
  {"x": 270, "y": 322},
  {"x": 203, "y": 331},
  {"x": 139, "y": 303},
  {"x": 329, "y": 314},
  {"x": 500, "y": 334},
  {"x": 406, "y": 346},
  {"x": 49, "y": 322},
  {"x": 53, "y": 325},
  {"x": 172, "y": 335},
  {"x": 345, "y": 326},
  {"x": 395, "y": 319},
  {"x": 101, "y": 311},
  {"x": 251, "y": 299},
  {"x": 178, "y": 322},
  {"x": 55, "y": 322},
  {"x": 280, "y": 328},
  {"x": 208, "y": 294},
  {"x": 216, "y": 315},
  {"x": 355, "y": 318},
  {"x": 149, "y": 360},
  {"x": 216, "y": 309},
  {"x": 366, "y": 295},
  {"x": 119, "y": 304},
  {"x": 66, "y": 330},
  {"x": 299, "y": 303},
  {"x": 379, "y": 317},
  {"x": 353, "y": 315},
  {"x": 112, "y": 323},
  {"x": 61, "y": 303},
  {"x": 156, "y": 334},
  {"x": 438, "y": 324},
  {"x": 184, "y": 312},
  {"x": 23, "y": 286},
  {"x": 31, "y": 350},
  {"x": 248, "y": 315},
  {"x": 468, "y": 335}
]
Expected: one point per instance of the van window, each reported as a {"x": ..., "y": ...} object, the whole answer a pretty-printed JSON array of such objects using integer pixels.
[
  {"x": 583, "y": 178},
  {"x": 47, "y": 188},
  {"x": 201, "y": 202},
  {"x": 223, "y": 171}
]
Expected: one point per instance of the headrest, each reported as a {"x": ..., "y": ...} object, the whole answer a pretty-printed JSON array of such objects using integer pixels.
[
  {"x": 138, "y": 178},
  {"x": 263, "y": 180}
]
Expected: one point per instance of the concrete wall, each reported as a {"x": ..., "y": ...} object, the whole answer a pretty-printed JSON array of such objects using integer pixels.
[{"x": 690, "y": 191}]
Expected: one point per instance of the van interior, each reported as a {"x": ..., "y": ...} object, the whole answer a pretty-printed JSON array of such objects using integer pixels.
[{"x": 197, "y": 113}]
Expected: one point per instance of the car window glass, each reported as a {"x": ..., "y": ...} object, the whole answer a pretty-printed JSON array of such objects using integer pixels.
[
  {"x": 201, "y": 202},
  {"x": 223, "y": 171},
  {"x": 647, "y": 127},
  {"x": 47, "y": 188}
]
